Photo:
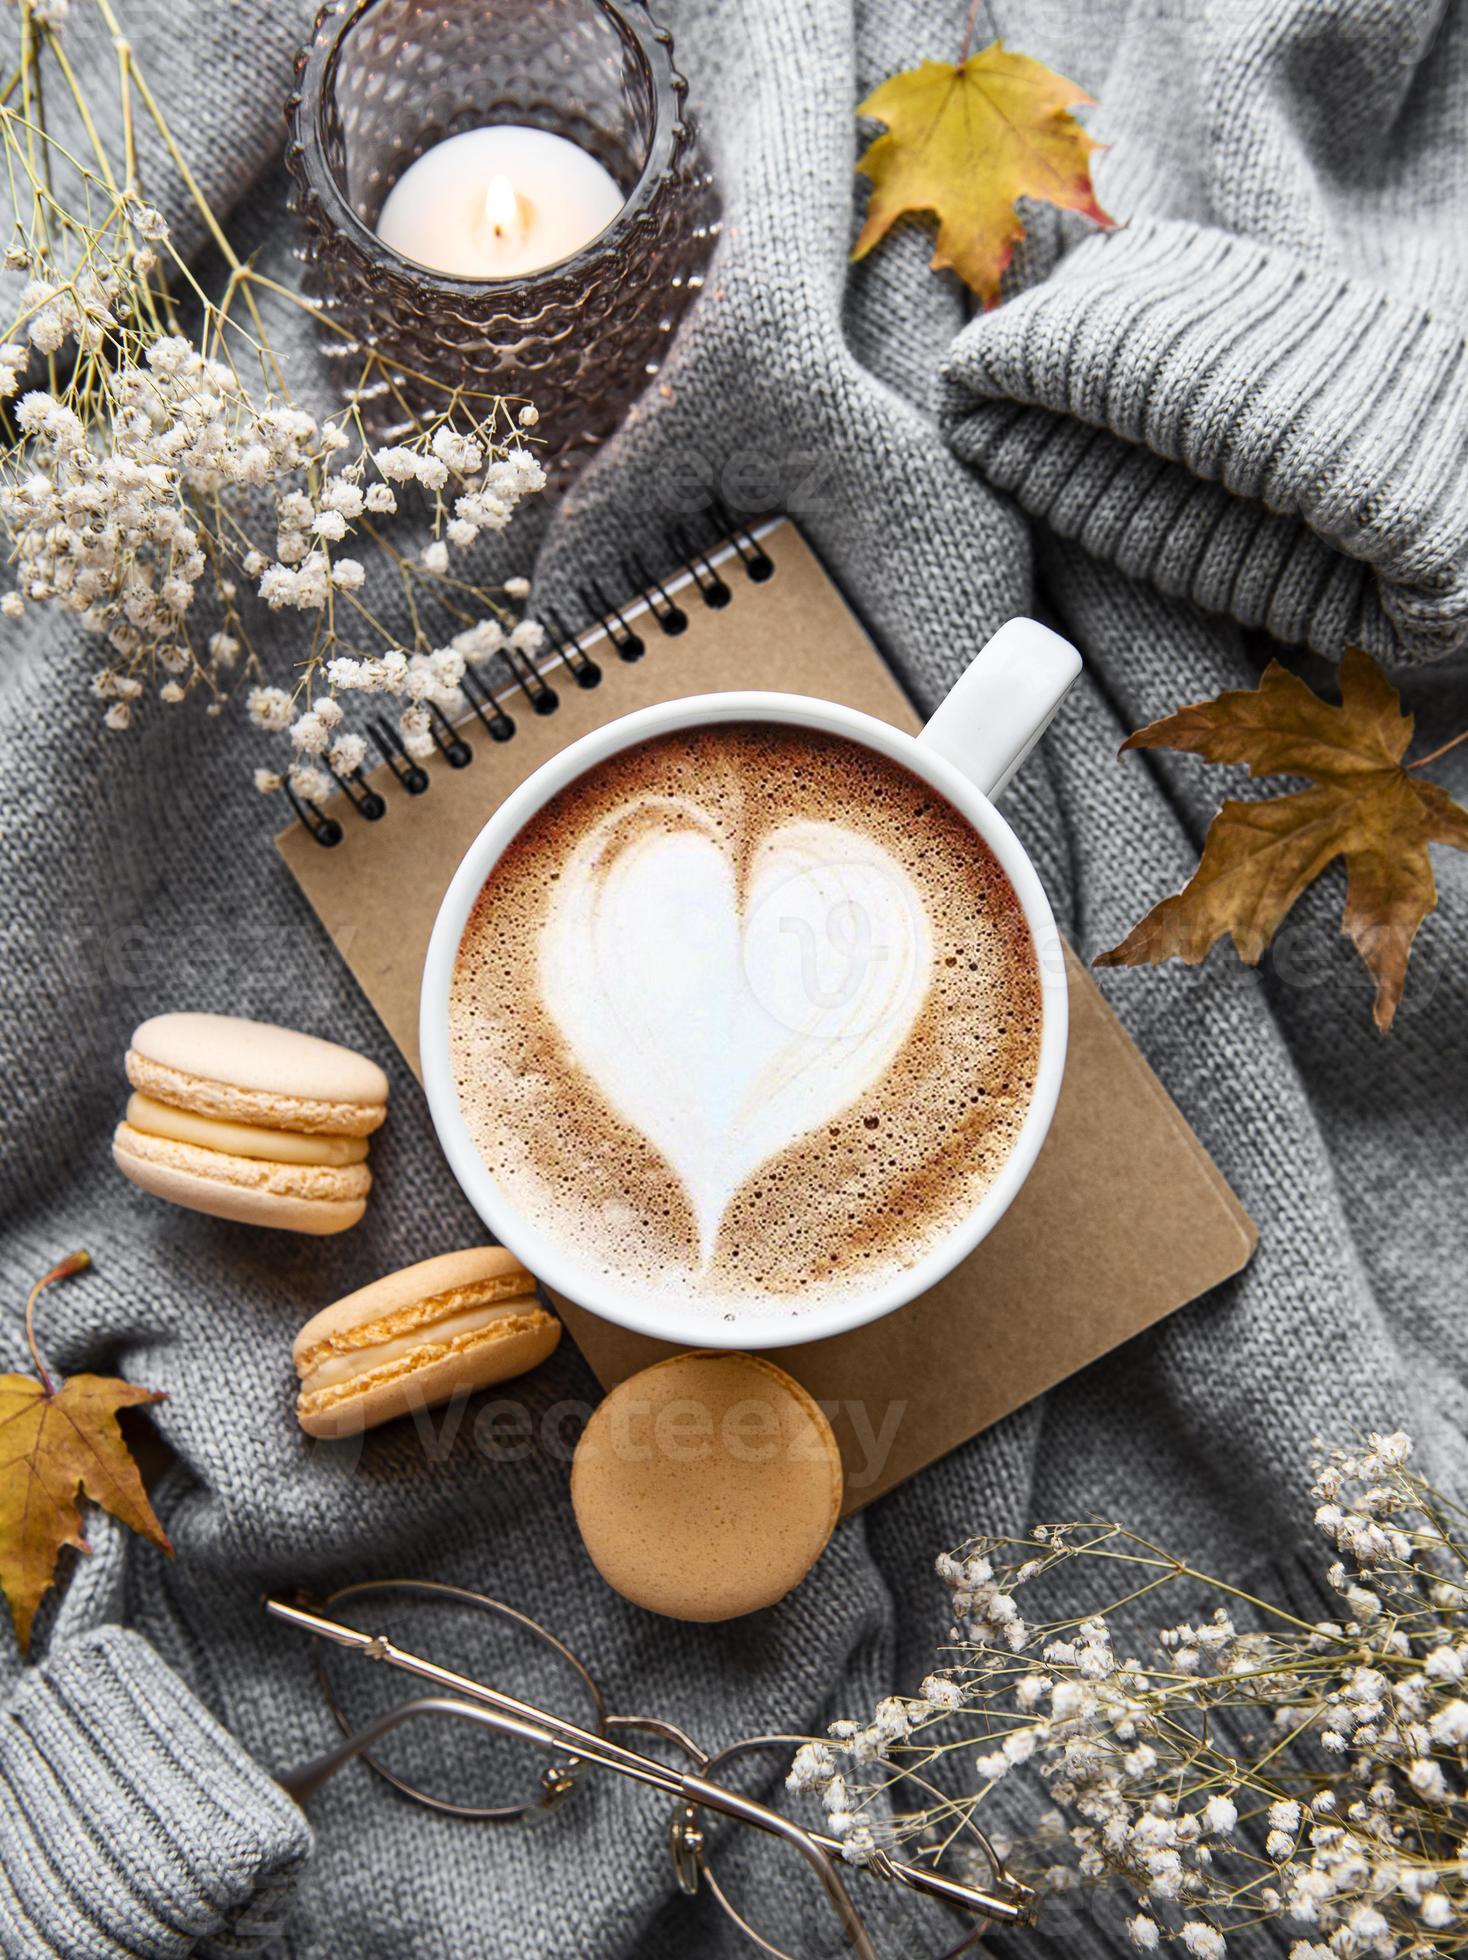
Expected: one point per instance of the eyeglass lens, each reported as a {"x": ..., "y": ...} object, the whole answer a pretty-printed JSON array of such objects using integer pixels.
[{"x": 767, "y": 1887}]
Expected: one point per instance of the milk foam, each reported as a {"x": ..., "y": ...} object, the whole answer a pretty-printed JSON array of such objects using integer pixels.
[
  {"x": 744, "y": 1017},
  {"x": 727, "y": 1016}
]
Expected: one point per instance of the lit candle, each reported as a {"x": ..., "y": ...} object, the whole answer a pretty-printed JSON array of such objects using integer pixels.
[{"x": 492, "y": 203}]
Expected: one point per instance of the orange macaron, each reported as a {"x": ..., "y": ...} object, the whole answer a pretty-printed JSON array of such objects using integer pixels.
[
  {"x": 707, "y": 1486},
  {"x": 462, "y": 1321},
  {"x": 249, "y": 1121}
]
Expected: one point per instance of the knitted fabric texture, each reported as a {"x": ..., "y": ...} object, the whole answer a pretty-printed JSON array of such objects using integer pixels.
[
  {"x": 1242, "y": 415},
  {"x": 137, "y": 1825}
]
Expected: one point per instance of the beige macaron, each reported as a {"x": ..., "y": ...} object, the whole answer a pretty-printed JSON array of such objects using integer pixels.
[
  {"x": 462, "y": 1321},
  {"x": 706, "y": 1486},
  {"x": 249, "y": 1121}
]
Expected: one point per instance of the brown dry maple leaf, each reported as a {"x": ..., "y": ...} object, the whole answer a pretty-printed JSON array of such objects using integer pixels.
[
  {"x": 55, "y": 1442},
  {"x": 964, "y": 140},
  {"x": 1257, "y": 858}
]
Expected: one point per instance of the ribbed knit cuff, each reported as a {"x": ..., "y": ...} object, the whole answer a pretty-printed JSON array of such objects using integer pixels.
[
  {"x": 1285, "y": 445},
  {"x": 132, "y": 1824}
]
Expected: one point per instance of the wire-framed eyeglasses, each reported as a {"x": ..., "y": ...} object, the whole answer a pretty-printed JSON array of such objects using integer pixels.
[{"x": 515, "y": 1720}]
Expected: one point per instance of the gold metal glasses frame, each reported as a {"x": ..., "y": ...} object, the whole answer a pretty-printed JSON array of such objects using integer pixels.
[{"x": 573, "y": 1748}]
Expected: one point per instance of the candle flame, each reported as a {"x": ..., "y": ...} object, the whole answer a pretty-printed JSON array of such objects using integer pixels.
[{"x": 503, "y": 213}]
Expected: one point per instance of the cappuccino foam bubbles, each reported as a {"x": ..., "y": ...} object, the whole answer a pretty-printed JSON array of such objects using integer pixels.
[{"x": 747, "y": 1015}]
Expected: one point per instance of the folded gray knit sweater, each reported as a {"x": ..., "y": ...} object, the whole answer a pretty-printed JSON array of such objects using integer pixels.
[{"x": 1243, "y": 414}]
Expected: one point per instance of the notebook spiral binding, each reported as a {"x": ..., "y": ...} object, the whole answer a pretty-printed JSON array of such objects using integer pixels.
[{"x": 701, "y": 572}]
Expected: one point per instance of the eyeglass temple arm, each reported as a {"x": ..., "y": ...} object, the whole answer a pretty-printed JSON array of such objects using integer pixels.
[
  {"x": 551, "y": 1731},
  {"x": 303, "y": 1783},
  {"x": 558, "y": 1733}
]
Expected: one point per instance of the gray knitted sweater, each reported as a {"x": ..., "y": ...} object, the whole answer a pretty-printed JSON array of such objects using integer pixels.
[{"x": 1245, "y": 414}]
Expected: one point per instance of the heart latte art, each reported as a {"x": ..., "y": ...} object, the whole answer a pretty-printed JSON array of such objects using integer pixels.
[
  {"x": 701, "y": 991},
  {"x": 747, "y": 1014}
]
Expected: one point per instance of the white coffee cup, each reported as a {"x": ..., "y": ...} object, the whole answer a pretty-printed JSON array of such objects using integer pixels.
[{"x": 991, "y": 719}]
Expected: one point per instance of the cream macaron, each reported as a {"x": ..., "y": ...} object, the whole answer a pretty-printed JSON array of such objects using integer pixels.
[
  {"x": 707, "y": 1486},
  {"x": 249, "y": 1121},
  {"x": 462, "y": 1321}
]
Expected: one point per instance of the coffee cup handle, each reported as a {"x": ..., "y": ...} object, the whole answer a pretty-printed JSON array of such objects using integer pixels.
[{"x": 1002, "y": 703}]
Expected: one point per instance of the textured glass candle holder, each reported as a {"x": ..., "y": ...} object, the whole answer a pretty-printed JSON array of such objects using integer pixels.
[{"x": 380, "y": 82}]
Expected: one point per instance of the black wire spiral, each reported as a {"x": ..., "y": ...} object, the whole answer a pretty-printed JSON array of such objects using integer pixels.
[{"x": 529, "y": 675}]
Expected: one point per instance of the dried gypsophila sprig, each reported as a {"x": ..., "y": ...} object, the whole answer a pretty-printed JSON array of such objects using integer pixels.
[
  {"x": 310, "y": 573},
  {"x": 1311, "y": 1780},
  {"x": 136, "y": 480}
]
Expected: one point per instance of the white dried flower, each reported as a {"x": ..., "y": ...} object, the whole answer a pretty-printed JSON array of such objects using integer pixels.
[
  {"x": 295, "y": 511},
  {"x": 479, "y": 641},
  {"x": 1449, "y": 1725},
  {"x": 348, "y": 754},
  {"x": 398, "y": 464},
  {"x": 1220, "y": 1816},
  {"x": 417, "y": 731},
  {"x": 529, "y": 471},
  {"x": 1427, "y": 1779},
  {"x": 813, "y": 1767},
  {"x": 343, "y": 497},
  {"x": 460, "y": 453},
  {"x": 388, "y": 674},
  {"x": 447, "y": 667},
  {"x": 1285, "y": 1815},
  {"x": 277, "y": 586},
  {"x": 269, "y": 708},
  {"x": 1203, "y": 1941},
  {"x": 309, "y": 782}
]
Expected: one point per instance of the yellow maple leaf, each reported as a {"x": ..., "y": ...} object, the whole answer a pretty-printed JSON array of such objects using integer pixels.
[
  {"x": 1365, "y": 805},
  {"x": 964, "y": 140},
  {"x": 54, "y": 1443}
]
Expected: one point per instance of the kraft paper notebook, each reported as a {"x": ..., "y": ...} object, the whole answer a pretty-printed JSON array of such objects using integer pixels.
[{"x": 1124, "y": 1219}]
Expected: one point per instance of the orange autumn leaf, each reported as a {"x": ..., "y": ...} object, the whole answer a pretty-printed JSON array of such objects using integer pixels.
[
  {"x": 964, "y": 140},
  {"x": 1363, "y": 806},
  {"x": 56, "y": 1443}
]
